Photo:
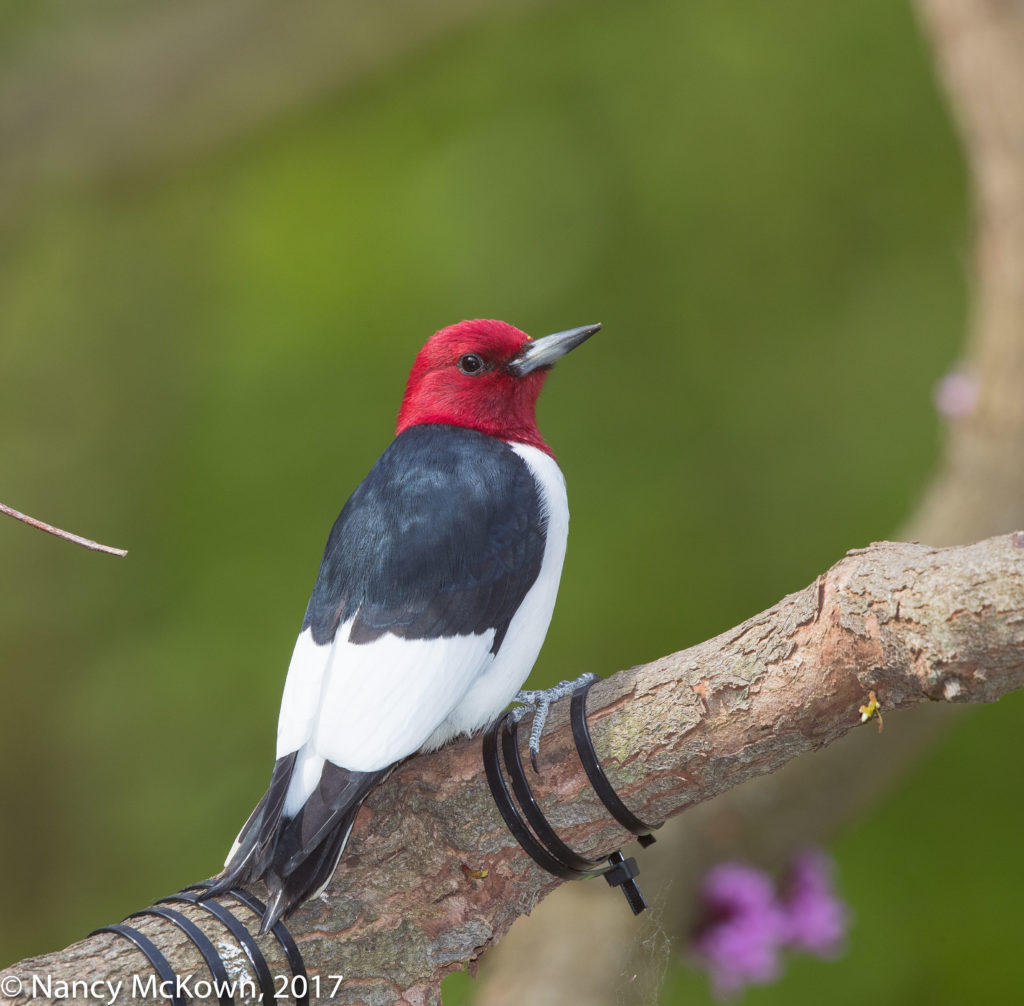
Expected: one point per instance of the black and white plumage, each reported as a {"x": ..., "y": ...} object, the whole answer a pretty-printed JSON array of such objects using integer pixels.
[{"x": 433, "y": 598}]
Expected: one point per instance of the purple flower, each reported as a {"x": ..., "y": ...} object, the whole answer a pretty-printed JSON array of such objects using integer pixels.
[
  {"x": 815, "y": 918},
  {"x": 745, "y": 925},
  {"x": 742, "y": 930}
]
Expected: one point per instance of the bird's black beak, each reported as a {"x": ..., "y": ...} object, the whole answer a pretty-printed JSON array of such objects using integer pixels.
[{"x": 544, "y": 352}]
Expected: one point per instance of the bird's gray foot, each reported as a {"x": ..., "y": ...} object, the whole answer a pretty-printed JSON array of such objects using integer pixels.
[{"x": 539, "y": 703}]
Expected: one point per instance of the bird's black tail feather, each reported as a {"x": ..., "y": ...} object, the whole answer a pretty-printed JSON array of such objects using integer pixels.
[{"x": 295, "y": 856}]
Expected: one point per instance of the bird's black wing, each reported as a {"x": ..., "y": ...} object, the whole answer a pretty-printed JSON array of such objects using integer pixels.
[{"x": 444, "y": 537}]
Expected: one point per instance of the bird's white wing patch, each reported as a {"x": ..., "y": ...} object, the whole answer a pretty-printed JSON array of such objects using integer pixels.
[
  {"x": 380, "y": 701},
  {"x": 302, "y": 689}
]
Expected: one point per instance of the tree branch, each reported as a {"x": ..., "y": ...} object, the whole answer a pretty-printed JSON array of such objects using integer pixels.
[
  {"x": 910, "y": 622},
  {"x": 57, "y": 532}
]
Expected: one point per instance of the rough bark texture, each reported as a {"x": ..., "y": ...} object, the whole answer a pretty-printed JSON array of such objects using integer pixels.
[{"x": 911, "y": 622}]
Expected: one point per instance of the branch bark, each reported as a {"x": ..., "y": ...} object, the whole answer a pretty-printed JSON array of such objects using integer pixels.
[{"x": 911, "y": 622}]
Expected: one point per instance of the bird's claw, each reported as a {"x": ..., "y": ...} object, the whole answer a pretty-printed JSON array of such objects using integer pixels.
[{"x": 539, "y": 703}]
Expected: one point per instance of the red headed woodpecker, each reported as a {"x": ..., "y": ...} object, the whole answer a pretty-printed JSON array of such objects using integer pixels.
[{"x": 433, "y": 598}]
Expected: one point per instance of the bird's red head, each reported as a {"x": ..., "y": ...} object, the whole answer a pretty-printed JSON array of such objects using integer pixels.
[{"x": 485, "y": 375}]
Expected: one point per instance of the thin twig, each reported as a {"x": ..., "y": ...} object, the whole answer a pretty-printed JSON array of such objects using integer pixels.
[{"x": 75, "y": 539}]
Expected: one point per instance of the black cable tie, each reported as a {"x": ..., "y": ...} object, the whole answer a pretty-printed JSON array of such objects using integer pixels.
[
  {"x": 202, "y": 943},
  {"x": 163, "y": 969},
  {"x": 623, "y": 873},
  {"x": 242, "y": 935},
  {"x": 591, "y": 765},
  {"x": 583, "y": 865},
  {"x": 284, "y": 939},
  {"x": 546, "y": 848},
  {"x": 537, "y": 852}
]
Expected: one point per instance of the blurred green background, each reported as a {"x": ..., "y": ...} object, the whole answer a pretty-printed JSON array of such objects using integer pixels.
[{"x": 203, "y": 346}]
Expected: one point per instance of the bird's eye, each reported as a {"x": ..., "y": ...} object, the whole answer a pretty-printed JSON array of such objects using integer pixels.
[{"x": 471, "y": 364}]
